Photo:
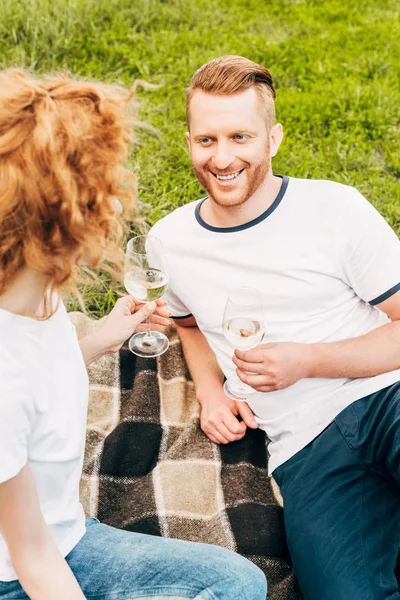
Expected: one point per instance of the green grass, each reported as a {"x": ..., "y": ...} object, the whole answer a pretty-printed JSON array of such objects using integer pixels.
[{"x": 335, "y": 64}]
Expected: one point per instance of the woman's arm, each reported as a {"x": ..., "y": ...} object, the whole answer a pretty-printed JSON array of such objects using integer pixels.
[{"x": 41, "y": 570}]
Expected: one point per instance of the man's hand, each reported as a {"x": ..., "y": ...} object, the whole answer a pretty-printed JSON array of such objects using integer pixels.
[
  {"x": 126, "y": 318},
  {"x": 271, "y": 367},
  {"x": 219, "y": 418}
]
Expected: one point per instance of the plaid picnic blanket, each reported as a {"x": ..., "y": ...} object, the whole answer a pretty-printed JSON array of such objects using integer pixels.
[{"x": 149, "y": 468}]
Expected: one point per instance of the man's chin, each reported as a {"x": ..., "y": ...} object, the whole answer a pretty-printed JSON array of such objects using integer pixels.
[{"x": 227, "y": 200}]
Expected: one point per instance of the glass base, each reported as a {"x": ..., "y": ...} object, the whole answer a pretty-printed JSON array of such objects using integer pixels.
[
  {"x": 148, "y": 345},
  {"x": 237, "y": 390}
]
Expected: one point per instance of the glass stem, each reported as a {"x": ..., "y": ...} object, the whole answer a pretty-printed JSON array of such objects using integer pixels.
[{"x": 148, "y": 328}]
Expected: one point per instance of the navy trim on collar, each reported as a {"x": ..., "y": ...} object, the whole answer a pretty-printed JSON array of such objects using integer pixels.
[
  {"x": 264, "y": 215},
  {"x": 386, "y": 295}
]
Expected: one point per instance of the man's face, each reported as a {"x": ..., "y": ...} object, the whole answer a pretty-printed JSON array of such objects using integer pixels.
[{"x": 229, "y": 144}]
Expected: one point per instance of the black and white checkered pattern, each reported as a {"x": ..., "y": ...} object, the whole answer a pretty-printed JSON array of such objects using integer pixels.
[{"x": 149, "y": 468}]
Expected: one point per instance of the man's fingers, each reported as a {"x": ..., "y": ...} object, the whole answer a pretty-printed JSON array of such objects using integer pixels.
[
  {"x": 232, "y": 424},
  {"x": 161, "y": 302},
  {"x": 232, "y": 436},
  {"x": 247, "y": 415},
  {"x": 260, "y": 383},
  {"x": 223, "y": 435},
  {"x": 252, "y": 380},
  {"x": 224, "y": 426},
  {"x": 154, "y": 318},
  {"x": 145, "y": 327},
  {"x": 218, "y": 437},
  {"x": 212, "y": 438},
  {"x": 250, "y": 356},
  {"x": 162, "y": 312},
  {"x": 253, "y": 367},
  {"x": 156, "y": 323}
]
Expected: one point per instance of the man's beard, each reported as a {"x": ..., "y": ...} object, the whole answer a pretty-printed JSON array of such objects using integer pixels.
[{"x": 255, "y": 179}]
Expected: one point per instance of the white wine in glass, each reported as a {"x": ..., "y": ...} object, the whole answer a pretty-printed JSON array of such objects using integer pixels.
[
  {"x": 146, "y": 279},
  {"x": 243, "y": 333},
  {"x": 147, "y": 285},
  {"x": 243, "y": 328}
]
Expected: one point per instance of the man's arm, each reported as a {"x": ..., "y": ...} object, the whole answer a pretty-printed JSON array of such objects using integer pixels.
[
  {"x": 218, "y": 412},
  {"x": 372, "y": 354},
  {"x": 41, "y": 570},
  {"x": 277, "y": 366}
]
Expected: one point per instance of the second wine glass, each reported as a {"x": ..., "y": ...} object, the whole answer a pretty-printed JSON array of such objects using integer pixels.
[
  {"x": 146, "y": 279},
  {"x": 243, "y": 328}
]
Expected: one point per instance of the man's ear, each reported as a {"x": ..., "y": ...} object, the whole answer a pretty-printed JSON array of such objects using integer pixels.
[
  {"x": 187, "y": 136},
  {"x": 275, "y": 139}
]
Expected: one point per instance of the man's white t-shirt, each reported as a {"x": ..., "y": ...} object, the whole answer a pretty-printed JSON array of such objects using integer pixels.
[
  {"x": 322, "y": 258},
  {"x": 43, "y": 408}
]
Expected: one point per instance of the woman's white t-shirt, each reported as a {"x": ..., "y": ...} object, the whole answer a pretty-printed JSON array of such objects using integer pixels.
[{"x": 43, "y": 408}]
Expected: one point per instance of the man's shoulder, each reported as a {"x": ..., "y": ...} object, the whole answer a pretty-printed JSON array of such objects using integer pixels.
[
  {"x": 178, "y": 218},
  {"x": 323, "y": 185},
  {"x": 325, "y": 195}
]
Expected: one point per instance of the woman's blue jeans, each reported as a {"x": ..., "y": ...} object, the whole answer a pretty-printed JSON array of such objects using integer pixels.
[
  {"x": 341, "y": 498},
  {"x": 111, "y": 564}
]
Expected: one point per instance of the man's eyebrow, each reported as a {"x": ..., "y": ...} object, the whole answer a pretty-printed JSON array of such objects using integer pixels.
[
  {"x": 244, "y": 132},
  {"x": 200, "y": 136}
]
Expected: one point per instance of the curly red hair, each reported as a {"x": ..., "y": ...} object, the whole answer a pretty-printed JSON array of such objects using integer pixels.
[{"x": 62, "y": 148}]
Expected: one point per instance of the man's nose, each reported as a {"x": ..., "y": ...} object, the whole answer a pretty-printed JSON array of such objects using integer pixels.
[{"x": 223, "y": 157}]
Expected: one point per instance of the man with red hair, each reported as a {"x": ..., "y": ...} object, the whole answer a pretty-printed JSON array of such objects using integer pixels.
[{"x": 325, "y": 382}]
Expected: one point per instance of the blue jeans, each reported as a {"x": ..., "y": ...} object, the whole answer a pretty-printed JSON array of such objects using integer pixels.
[
  {"x": 341, "y": 498},
  {"x": 111, "y": 564}
]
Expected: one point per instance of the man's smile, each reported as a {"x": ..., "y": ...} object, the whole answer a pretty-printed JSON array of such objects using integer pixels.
[{"x": 228, "y": 177}]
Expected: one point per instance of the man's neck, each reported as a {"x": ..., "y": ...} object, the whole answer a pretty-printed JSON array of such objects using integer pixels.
[
  {"x": 25, "y": 296},
  {"x": 234, "y": 216}
]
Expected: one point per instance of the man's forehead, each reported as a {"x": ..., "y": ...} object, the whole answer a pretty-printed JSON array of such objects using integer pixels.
[{"x": 237, "y": 110}]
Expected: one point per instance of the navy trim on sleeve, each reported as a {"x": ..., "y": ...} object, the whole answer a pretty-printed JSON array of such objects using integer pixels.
[
  {"x": 184, "y": 316},
  {"x": 386, "y": 295}
]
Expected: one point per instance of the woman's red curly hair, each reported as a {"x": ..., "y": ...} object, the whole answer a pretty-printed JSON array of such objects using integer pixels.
[{"x": 62, "y": 148}]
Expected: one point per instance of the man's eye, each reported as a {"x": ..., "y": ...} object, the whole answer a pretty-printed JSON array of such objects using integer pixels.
[
  {"x": 205, "y": 141},
  {"x": 239, "y": 136}
]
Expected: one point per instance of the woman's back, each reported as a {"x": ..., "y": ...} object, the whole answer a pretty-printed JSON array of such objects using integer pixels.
[{"x": 43, "y": 419}]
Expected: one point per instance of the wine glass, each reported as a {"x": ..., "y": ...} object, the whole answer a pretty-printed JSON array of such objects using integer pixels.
[
  {"x": 146, "y": 278},
  {"x": 243, "y": 328}
]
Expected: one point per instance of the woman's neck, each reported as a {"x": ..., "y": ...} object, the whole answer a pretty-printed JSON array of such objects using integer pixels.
[{"x": 25, "y": 296}]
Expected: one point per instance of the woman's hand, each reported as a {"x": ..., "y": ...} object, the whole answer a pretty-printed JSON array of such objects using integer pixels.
[{"x": 126, "y": 318}]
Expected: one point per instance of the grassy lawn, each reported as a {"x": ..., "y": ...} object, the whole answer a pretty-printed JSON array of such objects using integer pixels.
[{"x": 335, "y": 64}]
